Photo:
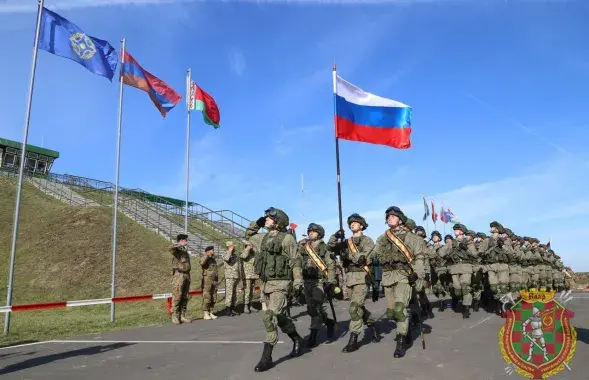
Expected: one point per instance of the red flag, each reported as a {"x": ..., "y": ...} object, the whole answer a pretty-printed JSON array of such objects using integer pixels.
[
  {"x": 293, "y": 226},
  {"x": 434, "y": 215}
]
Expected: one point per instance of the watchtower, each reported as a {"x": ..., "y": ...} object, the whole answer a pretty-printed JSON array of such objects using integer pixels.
[{"x": 39, "y": 160}]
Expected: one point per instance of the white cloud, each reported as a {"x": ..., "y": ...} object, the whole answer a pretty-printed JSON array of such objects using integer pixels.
[
  {"x": 237, "y": 61},
  {"x": 546, "y": 201}
]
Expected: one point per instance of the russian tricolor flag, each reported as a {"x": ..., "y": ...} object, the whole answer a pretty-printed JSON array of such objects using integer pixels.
[{"x": 362, "y": 116}]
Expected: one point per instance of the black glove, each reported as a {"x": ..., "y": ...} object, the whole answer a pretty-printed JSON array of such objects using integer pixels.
[
  {"x": 362, "y": 260},
  {"x": 261, "y": 222},
  {"x": 413, "y": 277},
  {"x": 500, "y": 243},
  {"x": 463, "y": 245},
  {"x": 341, "y": 235},
  {"x": 427, "y": 277},
  {"x": 328, "y": 289}
]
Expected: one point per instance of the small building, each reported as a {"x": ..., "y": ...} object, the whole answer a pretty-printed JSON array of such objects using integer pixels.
[{"x": 39, "y": 160}]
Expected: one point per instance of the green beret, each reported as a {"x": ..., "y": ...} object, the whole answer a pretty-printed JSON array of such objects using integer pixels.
[
  {"x": 181, "y": 237},
  {"x": 460, "y": 226}
]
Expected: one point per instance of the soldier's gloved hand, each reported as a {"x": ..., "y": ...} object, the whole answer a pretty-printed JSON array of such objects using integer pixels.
[
  {"x": 341, "y": 235},
  {"x": 345, "y": 256},
  {"x": 463, "y": 245},
  {"x": 328, "y": 288},
  {"x": 362, "y": 260},
  {"x": 261, "y": 222},
  {"x": 500, "y": 243},
  {"x": 492, "y": 243},
  {"x": 427, "y": 277},
  {"x": 413, "y": 277}
]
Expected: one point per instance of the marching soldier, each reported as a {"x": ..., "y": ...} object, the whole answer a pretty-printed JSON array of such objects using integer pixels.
[
  {"x": 278, "y": 265},
  {"x": 536, "y": 262},
  {"x": 440, "y": 279},
  {"x": 210, "y": 277},
  {"x": 396, "y": 249},
  {"x": 318, "y": 271},
  {"x": 180, "y": 279},
  {"x": 462, "y": 254},
  {"x": 232, "y": 277},
  {"x": 247, "y": 259},
  {"x": 355, "y": 252},
  {"x": 421, "y": 266},
  {"x": 477, "y": 272}
]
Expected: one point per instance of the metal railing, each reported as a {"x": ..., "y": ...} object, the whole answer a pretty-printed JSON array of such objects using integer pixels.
[{"x": 206, "y": 227}]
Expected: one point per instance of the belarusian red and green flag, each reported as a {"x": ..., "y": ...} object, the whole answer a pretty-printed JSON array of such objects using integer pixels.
[{"x": 200, "y": 100}]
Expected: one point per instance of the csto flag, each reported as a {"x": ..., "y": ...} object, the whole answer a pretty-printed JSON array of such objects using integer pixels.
[
  {"x": 161, "y": 94},
  {"x": 200, "y": 100},
  {"x": 60, "y": 37},
  {"x": 365, "y": 117}
]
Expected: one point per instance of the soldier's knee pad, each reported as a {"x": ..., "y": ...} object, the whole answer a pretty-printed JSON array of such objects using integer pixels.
[
  {"x": 390, "y": 313},
  {"x": 466, "y": 289},
  {"x": 269, "y": 321},
  {"x": 399, "y": 311},
  {"x": 355, "y": 311}
]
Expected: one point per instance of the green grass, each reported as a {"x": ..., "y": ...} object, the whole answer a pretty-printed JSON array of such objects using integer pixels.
[{"x": 65, "y": 252}]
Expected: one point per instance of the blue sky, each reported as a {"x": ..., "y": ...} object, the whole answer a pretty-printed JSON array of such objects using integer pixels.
[{"x": 498, "y": 91}]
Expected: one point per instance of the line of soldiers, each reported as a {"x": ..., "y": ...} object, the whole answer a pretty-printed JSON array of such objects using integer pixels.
[{"x": 470, "y": 269}]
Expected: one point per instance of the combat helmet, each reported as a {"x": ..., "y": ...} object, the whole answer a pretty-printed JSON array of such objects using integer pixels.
[
  {"x": 471, "y": 233},
  {"x": 394, "y": 210},
  {"x": 436, "y": 233},
  {"x": 420, "y": 229},
  {"x": 482, "y": 235},
  {"x": 461, "y": 227},
  {"x": 357, "y": 218},
  {"x": 410, "y": 224},
  {"x": 317, "y": 228},
  {"x": 279, "y": 217}
]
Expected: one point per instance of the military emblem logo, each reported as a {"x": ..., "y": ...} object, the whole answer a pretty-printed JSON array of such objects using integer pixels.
[
  {"x": 537, "y": 340},
  {"x": 82, "y": 45}
]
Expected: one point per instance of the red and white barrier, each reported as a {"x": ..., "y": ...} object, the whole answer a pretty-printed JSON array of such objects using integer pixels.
[{"x": 99, "y": 301}]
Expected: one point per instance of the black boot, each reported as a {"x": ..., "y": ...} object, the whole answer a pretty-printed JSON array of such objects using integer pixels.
[
  {"x": 401, "y": 346},
  {"x": 442, "y": 306},
  {"x": 296, "y": 344},
  {"x": 429, "y": 309},
  {"x": 312, "y": 341},
  {"x": 375, "y": 336},
  {"x": 465, "y": 312},
  {"x": 231, "y": 312},
  {"x": 265, "y": 362},
  {"x": 475, "y": 305},
  {"x": 352, "y": 343},
  {"x": 330, "y": 324},
  {"x": 498, "y": 305}
]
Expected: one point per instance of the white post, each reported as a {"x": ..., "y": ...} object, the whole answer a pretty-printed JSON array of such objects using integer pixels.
[{"x": 188, "y": 100}]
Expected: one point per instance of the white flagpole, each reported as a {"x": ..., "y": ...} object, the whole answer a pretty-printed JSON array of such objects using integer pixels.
[
  {"x": 21, "y": 170},
  {"x": 188, "y": 100},
  {"x": 116, "y": 198}
]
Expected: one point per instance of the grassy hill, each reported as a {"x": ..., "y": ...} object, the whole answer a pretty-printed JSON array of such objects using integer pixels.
[{"x": 65, "y": 253}]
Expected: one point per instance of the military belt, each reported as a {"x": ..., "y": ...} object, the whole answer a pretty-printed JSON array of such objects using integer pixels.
[{"x": 176, "y": 270}]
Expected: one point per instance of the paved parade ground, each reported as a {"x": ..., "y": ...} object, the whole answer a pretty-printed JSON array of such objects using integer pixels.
[{"x": 229, "y": 348}]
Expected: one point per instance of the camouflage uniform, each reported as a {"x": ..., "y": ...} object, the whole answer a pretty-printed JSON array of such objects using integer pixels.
[
  {"x": 543, "y": 267},
  {"x": 462, "y": 254},
  {"x": 495, "y": 258},
  {"x": 536, "y": 263},
  {"x": 558, "y": 272},
  {"x": 315, "y": 282},
  {"x": 477, "y": 270},
  {"x": 514, "y": 260},
  {"x": 525, "y": 263},
  {"x": 398, "y": 275},
  {"x": 569, "y": 280},
  {"x": 232, "y": 277},
  {"x": 357, "y": 279},
  {"x": 180, "y": 280},
  {"x": 247, "y": 259},
  {"x": 441, "y": 279},
  {"x": 421, "y": 265},
  {"x": 210, "y": 278},
  {"x": 278, "y": 265}
]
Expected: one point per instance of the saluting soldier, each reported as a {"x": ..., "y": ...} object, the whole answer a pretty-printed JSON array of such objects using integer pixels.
[{"x": 180, "y": 279}]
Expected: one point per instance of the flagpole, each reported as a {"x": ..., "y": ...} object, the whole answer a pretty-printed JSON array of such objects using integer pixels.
[
  {"x": 21, "y": 169},
  {"x": 116, "y": 198},
  {"x": 188, "y": 99},
  {"x": 339, "y": 188}
]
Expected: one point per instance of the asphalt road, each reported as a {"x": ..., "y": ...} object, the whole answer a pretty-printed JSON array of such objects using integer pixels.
[{"x": 229, "y": 348}]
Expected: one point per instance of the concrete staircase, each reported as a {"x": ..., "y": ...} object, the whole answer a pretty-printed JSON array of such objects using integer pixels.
[{"x": 60, "y": 191}]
